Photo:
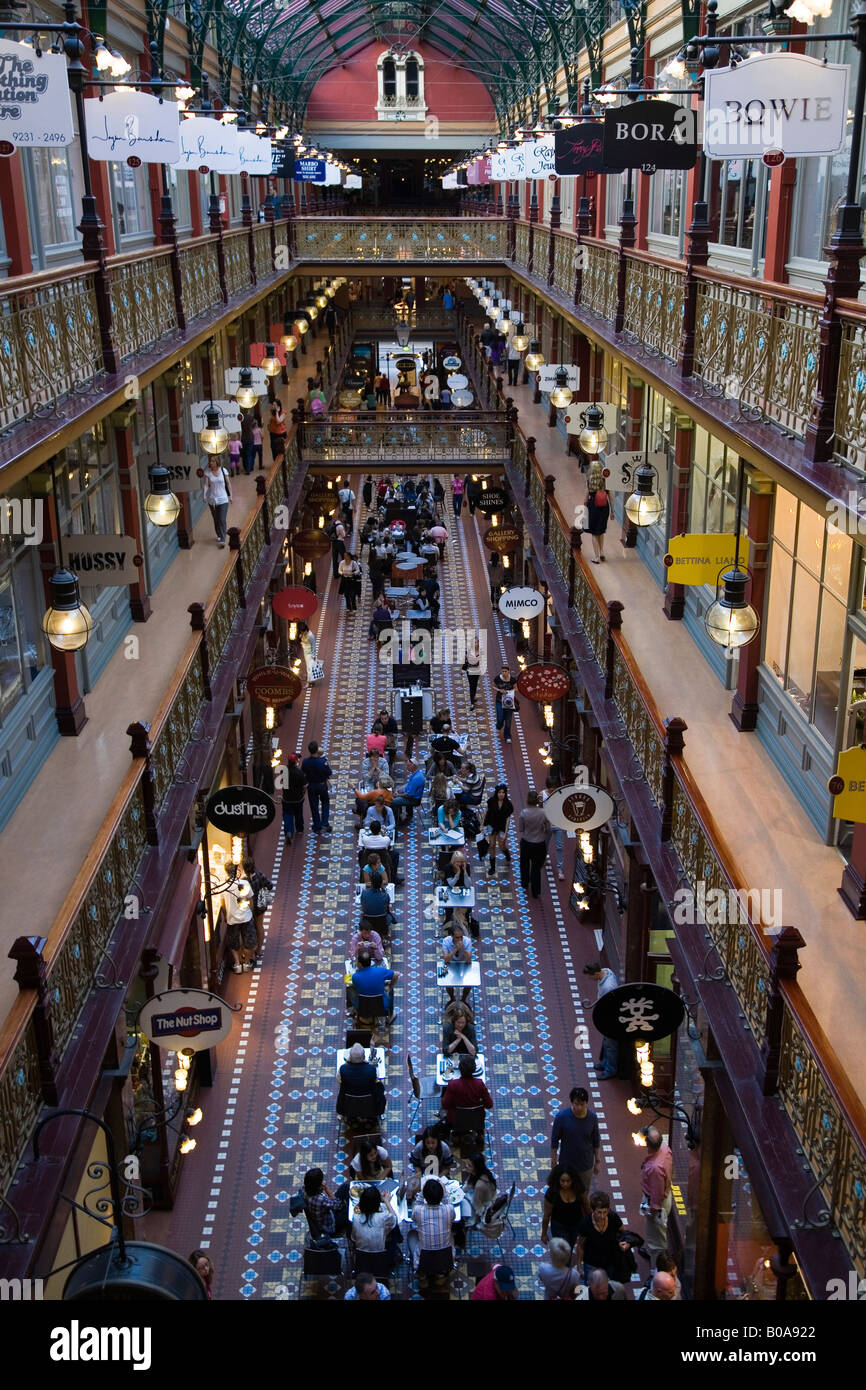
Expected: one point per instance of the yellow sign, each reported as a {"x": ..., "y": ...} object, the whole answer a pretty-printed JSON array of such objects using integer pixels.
[
  {"x": 849, "y": 786},
  {"x": 699, "y": 559}
]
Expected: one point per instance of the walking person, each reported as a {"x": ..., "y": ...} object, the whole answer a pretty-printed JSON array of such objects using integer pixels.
[
  {"x": 597, "y": 510},
  {"x": 534, "y": 830},
  {"x": 337, "y": 533},
  {"x": 457, "y": 494},
  {"x": 495, "y": 576},
  {"x": 474, "y": 671},
  {"x": 235, "y": 446},
  {"x": 293, "y": 799},
  {"x": 307, "y": 640},
  {"x": 347, "y": 503},
  {"x": 575, "y": 1139},
  {"x": 551, "y": 785},
  {"x": 608, "y": 1062},
  {"x": 263, "y": 896},
  {"x": 277, "y": 429},
  {"x": 257, "y": 441},
  {"x": 217, "y": 492},
  {"x": 367, "y": 489},
  {"x": 498, "y": 814},
  {"x": 317, "y": 771},
  {"x": 513, "y": 358},
  {"x": 656, "y": 1172},
  {"x": 350, "y": 581},
  {"x": 506, "y": 704},
  {"x": 473, "y": 491},
  {"x": 241, "y": 931}
]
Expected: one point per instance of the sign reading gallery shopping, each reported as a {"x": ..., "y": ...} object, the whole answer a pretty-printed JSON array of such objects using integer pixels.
[{"x": 780, "y": 101}]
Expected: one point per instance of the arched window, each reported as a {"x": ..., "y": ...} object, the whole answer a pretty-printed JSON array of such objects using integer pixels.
[
  {"x": 413, "y": 83},
  {"x": 401, "y": 86},
  {"x": 389, "y": 80}
]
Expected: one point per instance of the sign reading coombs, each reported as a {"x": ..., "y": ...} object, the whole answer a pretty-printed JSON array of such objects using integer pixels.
[
  {"x": 650, "y": 133},
  {"x": 132, "y": 125},
  {"x": 578, "y": 807},
  {"x": 208, "y": 144},
  {"x": 186, "y": 1018},
  {"x": 778, "y": 101},
  {"x": 35, "y": 104},
  {"x": 274, "y": 685},
  {"x": 240, "y": 810},
  {"x": 638, "y": 1013},
  {"x": 294, "y": 603},
  {"x": 505, "y": 539},
  {"x": 100, "y": 561},
  {"x": 543, "y": 682},
  {"x": 310, "y": 545},
  {"x": 521, "y": 603}
]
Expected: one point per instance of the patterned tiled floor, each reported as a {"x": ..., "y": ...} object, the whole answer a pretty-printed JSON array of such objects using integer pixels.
[{"x": 278, "y": 1099}]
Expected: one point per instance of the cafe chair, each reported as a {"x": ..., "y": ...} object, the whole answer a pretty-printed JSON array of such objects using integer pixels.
[
  {"x": 321, "y": 1265},
  {"x": 370, "y": 1009},
  {"x": 434, "y": 1266},
  {"x": 496, "y": 1219},
  {"x": 423, "y": 1088},
  {"x": 355, "y": 1108},
  {"x": 469, "y": 1120},
  {"x": 364, "y": 1036},
  {"x": 378, "y": 1262}
]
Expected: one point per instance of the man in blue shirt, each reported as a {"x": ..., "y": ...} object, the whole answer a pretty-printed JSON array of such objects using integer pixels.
[
  {"x": 372, "y": 980},
  {"x": 410, "y": 795},
  {"x": 575, "y": 1140},
  {"x": 317, "y": 771},
  {"x": 374, "y": 900}
]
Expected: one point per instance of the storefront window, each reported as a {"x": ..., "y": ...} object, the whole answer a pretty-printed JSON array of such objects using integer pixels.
[
  {"x": 178, "y": 182},
  {"x": 713, "y": 489},
  {"x": 804, "y": 636},
  {"x": 22, "y": 603},
  {"x": 87, "y": 492},
  {"x": 130, "y": 200},
  {"x": 53, "y": 181},
  {"x": 667, "y": 202}
]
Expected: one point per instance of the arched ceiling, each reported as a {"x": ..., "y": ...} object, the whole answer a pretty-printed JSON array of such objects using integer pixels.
[{"x": 515, "y": 47}]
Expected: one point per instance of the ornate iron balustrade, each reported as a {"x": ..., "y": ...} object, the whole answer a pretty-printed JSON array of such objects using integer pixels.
[
  {"x": 851, "y": 398},
  {"x": 415, "y": 438},
  {"x": 20, "y": 1092},
  {"x": 221, "y": 616},
  {"x": 426, "y": 319},
  {"x": 654, "y": 306},
  {"x": 363, "y": 240},
  {"x": 598, "y": 291},
  {"x": 199, "y": 274},
  {"x": 171, "y": 733},
  {"x": 565, "y": 249},
  {"x": 521, "y": 244},
  {"x": 49, "y": 341},
  {"x": 238, "y": 275},
  {"x": 262, "y": 244},
  {"x": 142, "y": 300},
  {"x": 540, "y": 251}
]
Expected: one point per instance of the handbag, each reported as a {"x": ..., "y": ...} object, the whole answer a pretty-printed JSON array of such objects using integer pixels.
[
  {"x": 482, "y": 844},
  {"x": 317, "y": 670}
]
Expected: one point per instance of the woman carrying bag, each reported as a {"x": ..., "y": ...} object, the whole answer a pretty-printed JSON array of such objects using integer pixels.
[
  {"x": 597, "y": 510},
  {"x": 350, "y": 581}
]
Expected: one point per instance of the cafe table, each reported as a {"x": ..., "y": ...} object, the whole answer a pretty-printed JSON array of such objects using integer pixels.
[
  {"x": 458, "y": 975},
  {"x": 454, "y": 897},
  {"x": 343, "y": 1056},
  {"x": 445, "y": 839},
  {"x": 448, "y": 1067}
]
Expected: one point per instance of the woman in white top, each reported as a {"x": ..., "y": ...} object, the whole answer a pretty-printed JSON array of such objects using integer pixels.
[
  {"x": 308, "y": 647},
  {"x": 374, "y": 1221},
  {"x": 371, "y": 1161},
  {"x": 217, "y": 491},
  {"x": 350, "y": 580}
]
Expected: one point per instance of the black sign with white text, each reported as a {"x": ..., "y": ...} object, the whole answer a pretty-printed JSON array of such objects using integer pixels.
[
  {"x": 579, "y": 150},
  {"x": 650, "y": 135},
  {"x": 240, "y": 810}
]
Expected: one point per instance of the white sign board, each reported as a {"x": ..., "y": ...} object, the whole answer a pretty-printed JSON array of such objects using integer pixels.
[
  {"x": 205, "y": 143},
  {"x": 519, "y": 603},
  {"x": 448, "y": 181},
  {"x": 228, "y": 411},
  {"x": 186, "y": 1018},
  {"x": 573, "y": 421},
  {"x": 355, "y": 181},
  {"x": 333, "y": 175},
  {"x": 780, "y": 101},
  {"x": 579, "y": 807},
  {"x": 35, "y": 105},
  {"x": 258, "y": 380},
  {"x": 623, "y": 467},
  {"x": 515, "y": 163},
  {"x": 498, "y": 166},
  {"x": 102, "y": 560},
  {"x": 547, "y": 376},
  {"x": 539, "y": 155},
  {"x": 132, "y": 125},
  {"x": 183, "y": 470},
  {"x": 255, "y": 153}
]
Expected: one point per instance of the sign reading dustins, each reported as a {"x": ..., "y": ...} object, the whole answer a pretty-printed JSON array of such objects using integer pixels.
[{"x": 192, "y": 1019}]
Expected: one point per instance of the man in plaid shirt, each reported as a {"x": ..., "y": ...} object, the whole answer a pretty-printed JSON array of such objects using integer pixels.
[{"x": 433, "y": 1217}]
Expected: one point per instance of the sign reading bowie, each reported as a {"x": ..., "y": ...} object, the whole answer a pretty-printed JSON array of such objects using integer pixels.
[
  {"x": 638, "y": 1013},
  {"x": 35, "y": 106},
  {"x": 133, "y": 125},
  {"x": 186, "y": 1018},
  {"x": 578, "y": 807},
  {"x": 781, "y": 101},
  {"x": 579, "y": 150},
  {"x": 645, "y": 133},
  {"x": 240, "y": 810}
]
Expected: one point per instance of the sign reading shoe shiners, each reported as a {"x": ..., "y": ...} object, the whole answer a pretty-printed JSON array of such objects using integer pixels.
[{"x": 186, "y": 1018}]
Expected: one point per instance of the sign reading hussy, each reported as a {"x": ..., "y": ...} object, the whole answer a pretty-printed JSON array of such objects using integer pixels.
[
  {"x": 184, "y": 470},
  {"x": 780, "y": 101},
  {"x": 102, "y": 560}
]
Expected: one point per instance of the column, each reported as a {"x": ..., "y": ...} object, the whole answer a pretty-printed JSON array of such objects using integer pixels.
[
  {"x": 780, "y": 202},
  {"x": 674, "y": 601},
  {"x": 634, "y": 431},
  {"x": 13, "y": 201},
  {"x": 139, "y": 599},
  {"x": 68, "y": 703},
  {"x": 171, "y": 382},
  {"x": 744, "y": 710}
]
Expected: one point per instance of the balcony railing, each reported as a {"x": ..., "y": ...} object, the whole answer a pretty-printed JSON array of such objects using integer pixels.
[
  {"x": 373, "y": 239},
  {"x": 411, "y": 438}
]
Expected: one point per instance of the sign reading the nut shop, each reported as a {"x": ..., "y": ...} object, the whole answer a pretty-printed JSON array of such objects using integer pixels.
[
  {"x": 544, "y": 682},
  {"x": 505, "y": 539},
  {"x": 186, "y": 1018},
  {"x": 274, "y": 685},
  {"x": 700, "y": 558},
  {"x": 578, "y": 807},
  {"x": 310, "y": 545}
]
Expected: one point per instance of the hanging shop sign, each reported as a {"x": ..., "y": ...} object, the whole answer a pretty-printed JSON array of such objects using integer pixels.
[
  {"x": 229, "y": 412},
  {"x": 547, "y": 375},
  {"x": 451, "y": 363},
  {"x": 620, "y": 469},
  {"x": 521, "y": 603},
  {"x": 35, "y": 103},
  {"x": 309, "y": 171},
  {"x": 504, "y": 539},
  {"x": 448, "y": 181},
  {"x": 258, "y": 380},
  {"x": 574, "y": 424},
  {"x": 274, "y": 685},
  {"x": 544, "y": 682},
  {"x": 100, "y": 561},
  {"x": 578, "y": 807},
  {"x": 355, "y": 181},
  {"x": 184, "y": 470},
  {"x": 132, "y": 125},
  {"x": 848, "y": 787},
  {"x": 781, "y": 101},
  {"x": 650, "y": 135},
  {"x": 208, "y": 144},
  {"x": 579, "y": 150},
  {"x": 515, "y": 163},
  {"x": 333, "y": 175},
  {"x": 639, "y": 1012},
  {"x": 240, "y": 810},
  {"x": 255, "y": 153},
  {"x": 186, "y": 1018},
  {"x": 282, "y": 161},
  {"x": 499, "y": 166},
  {"x": 310, "y": 544},
  {"x": 699, "y": 559},
  {"x": 294, "y": 603},
  {"x": 492, "y": 499},
  {"x": 540, "y": 158},
  {"x": 457, "y": 381}
]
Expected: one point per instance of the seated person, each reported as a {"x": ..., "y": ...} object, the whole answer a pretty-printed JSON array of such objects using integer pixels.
[
  {"x": 371, "y": 1161},
  {"x": 445, "y": 742},
  {"x": 449, "y": 815},
  {"x": 420, "y": 601},
  {"x": 372, "y": 767},
  {"x": 375, "y": 1225},
  {"x": 440, "y": 790},
  {"x": 459, "y": 872},
  {"x": 457, "y": 950},
  {"x": 443, "y": 764},
  {"x": 366, "y": 939},
  {"x": 380, "y": 810},
  {"x": 374, "y": 836},
  {"x": 471, "y": 783},
  {"x": 442, "y": 716},
  {"x": 458, "y": 1033},
  {"x": 381, "y": 618},
  {"x": 383, "y": 788},
  {"x": 390, "y": 728},
  {"x": 411, "y": 794},
  {"x": 358, "y": 1078},
  {"x": 432, "y": 1217},
  {"x": 430, "y": 1158},
  {"x": 439, "y": 534},
  {"x": 375, "y": 901},
  {"x": 326, "y": 1215},
  {"x": 376, "y": 740},
  {"x": 467, "y": 1091},
  {"x": 372, "y": 980},
  {"x": 374, "y": 865}
]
